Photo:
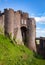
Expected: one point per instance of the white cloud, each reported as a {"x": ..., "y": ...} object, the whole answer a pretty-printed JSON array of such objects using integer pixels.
[
  {"x": 40, "y": 19},
  {"x": 38, "y": 28},
  {"x": 37, "y": 19},
  {"x": 40, "y": 32}
]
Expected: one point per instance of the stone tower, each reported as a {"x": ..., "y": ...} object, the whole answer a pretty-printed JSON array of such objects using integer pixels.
[
  {"x": 9, "y": 22},
  {"x": 31, "y": 33},
  {"x": 18, "y": 24}
]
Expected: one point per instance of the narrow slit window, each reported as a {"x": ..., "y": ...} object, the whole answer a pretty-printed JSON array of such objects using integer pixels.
[
  {"x": 22, "y": 21},
  {"x": 25, "y": 22}
]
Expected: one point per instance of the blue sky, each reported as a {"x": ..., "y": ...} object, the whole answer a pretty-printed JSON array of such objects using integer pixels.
[{"x": 35, "y": 8}]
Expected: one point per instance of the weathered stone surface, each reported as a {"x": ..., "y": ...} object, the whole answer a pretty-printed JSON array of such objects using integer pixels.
[
  {"x": 9, "y": 22},
  {"x": 19, "y": 25},
  {"x": 31, "y": 33}
]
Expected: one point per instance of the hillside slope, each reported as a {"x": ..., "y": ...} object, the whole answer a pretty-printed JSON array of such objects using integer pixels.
[{"x": 11, "y": 54}]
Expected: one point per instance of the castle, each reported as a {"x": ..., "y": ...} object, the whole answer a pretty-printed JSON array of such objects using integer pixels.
[{"x": 19, "y": 25}]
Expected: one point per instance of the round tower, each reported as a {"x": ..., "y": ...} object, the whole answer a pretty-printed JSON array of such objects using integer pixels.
[
  {"x": 9, "y": 22},
  {"x": 31, "y": 33}
]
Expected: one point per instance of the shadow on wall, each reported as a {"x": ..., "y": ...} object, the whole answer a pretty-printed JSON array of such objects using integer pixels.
[{"x": 24, "y": 34}]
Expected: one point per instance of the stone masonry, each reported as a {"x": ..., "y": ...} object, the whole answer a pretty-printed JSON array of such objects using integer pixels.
[{"x": 19, "y": 25}]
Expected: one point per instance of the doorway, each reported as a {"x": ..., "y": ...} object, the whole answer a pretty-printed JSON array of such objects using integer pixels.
[{"x": 24, "y": 34}]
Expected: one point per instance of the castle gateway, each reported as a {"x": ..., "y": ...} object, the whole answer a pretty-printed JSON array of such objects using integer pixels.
[{"x": 20, "y": 26}]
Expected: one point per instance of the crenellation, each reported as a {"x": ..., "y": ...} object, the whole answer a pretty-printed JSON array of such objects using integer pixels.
[
  {"x": 25, "y": 15},
  {"x": 20, "y": 26}
]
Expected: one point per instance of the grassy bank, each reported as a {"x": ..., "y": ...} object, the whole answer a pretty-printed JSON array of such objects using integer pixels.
[{"x": 11, "y": 54}]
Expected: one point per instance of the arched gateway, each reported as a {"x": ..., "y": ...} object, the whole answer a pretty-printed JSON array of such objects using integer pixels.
[
  {"x": 20, "y": 26},
  {"x": 24, "y": 34}
]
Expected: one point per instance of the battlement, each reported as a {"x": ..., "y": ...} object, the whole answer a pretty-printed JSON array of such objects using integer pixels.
[
  {"x": 20, "y": 11},
  {"x": 19, "y": 26},
  {"x": 8, "y": 9},
  {"x": 25, "y": 15}
]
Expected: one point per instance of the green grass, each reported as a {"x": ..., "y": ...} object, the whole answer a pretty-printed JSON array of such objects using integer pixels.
[{"x": 11, "y": 54}]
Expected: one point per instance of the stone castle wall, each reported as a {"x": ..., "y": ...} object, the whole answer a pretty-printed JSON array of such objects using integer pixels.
[
  {"x": 19, "y": 25},
  {"x": 1, "y": 23}
]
